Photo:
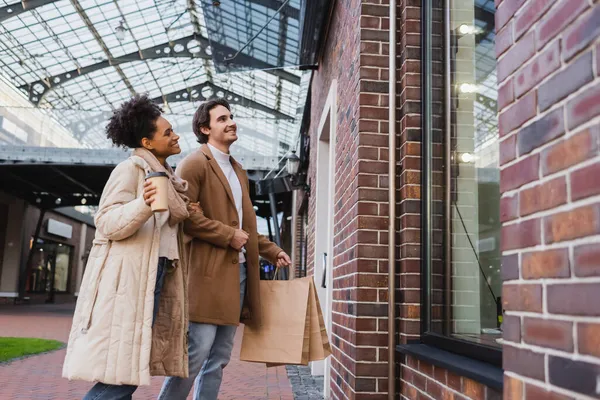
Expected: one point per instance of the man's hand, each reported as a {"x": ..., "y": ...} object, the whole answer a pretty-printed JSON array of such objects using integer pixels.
[
  {"x": 239, "y": 240},
  {"x": 283, "y": 260}
]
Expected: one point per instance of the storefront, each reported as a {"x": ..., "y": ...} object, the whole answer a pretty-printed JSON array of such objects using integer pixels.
[
  {"x": 46, "y": 268},
  {"x": 496, "y": 199}
]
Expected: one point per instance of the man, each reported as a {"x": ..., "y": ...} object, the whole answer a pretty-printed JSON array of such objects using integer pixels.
[{"x": 223, "y": 254}]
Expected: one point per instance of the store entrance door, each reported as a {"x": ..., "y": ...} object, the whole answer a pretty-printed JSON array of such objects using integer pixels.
[{"x": 49, "y": 269}]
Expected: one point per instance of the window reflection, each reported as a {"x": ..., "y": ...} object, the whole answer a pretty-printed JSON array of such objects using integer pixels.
[{"x": 466, "y": 278}]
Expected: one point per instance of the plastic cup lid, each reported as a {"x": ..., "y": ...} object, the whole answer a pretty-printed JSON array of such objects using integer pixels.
[{"x": 155, "y": 174}]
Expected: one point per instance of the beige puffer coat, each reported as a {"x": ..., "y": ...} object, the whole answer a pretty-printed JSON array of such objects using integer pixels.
[{"x": 112, "y": 339}]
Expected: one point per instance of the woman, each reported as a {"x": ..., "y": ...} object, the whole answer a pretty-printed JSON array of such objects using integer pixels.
[{"x": 131, "y": 316}]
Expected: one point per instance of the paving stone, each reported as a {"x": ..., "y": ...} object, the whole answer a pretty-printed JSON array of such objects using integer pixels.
[{"x": 39, "y": 377}]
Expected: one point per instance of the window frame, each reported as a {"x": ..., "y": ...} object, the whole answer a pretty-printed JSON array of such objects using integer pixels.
[{"x": 481, "y": 352}]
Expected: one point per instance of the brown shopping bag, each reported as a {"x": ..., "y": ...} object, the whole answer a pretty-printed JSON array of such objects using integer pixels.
[{"x": 292, "y": 331}]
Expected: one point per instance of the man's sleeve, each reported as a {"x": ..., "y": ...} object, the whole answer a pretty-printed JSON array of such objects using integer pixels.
[
  {"x": 268, "y": 249},
  {"x": 198, "y": 225}
]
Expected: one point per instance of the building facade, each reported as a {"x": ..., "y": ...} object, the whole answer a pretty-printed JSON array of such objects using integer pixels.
[
  {"x": 52, "y": 272},
  {"x": 497, "y": 199}
]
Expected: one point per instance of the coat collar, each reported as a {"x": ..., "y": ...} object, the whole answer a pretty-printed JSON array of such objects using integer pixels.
[
  {"x": 219, "y": 172},
  {"x": 209, "y": 155}
]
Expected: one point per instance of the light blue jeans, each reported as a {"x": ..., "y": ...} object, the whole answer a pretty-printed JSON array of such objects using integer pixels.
[
  {"x": 103, "y": 391},
  {"x": 209, "y": 353}
]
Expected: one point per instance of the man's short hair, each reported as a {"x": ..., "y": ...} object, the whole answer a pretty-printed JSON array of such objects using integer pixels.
[{"x": 202, "y": 117}]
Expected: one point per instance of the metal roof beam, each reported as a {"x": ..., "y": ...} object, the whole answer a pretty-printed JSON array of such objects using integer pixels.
[
  {"x": 208, "y": 90},
  {"x": 175, "y": 48},
  {"x": 179, "y": 48},
  {"x": 12, "y": 10}
]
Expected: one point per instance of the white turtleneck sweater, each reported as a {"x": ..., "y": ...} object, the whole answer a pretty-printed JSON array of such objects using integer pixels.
[{"x": 224, "y": 161}]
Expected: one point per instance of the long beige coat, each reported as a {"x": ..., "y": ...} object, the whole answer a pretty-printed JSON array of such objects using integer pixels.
[
  {"x": 112, "y": 339},
  {"x": 214, "y": 288}
]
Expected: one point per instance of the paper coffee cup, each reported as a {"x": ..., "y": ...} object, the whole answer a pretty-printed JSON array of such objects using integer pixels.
[{"x": 161, "y": 198}]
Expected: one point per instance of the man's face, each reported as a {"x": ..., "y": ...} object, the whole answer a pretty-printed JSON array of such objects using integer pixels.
[{"x": 222, "y": 130}]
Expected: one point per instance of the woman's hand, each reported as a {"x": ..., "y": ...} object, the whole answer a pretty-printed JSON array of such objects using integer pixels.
[
  {"x": 193, "y": 208},
  {"x": 149, "y": 192}
]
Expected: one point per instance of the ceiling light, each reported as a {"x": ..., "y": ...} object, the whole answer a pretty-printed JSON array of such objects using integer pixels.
[
  {"x": 468, "y": 88},
  {"x": 467, "y": 157},
  {"x": 120, "y": 31},
  {"x": 465, "y": 29}
]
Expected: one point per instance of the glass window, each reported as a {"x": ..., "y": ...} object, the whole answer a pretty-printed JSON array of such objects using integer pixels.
[{"x": 462, "y": 250}]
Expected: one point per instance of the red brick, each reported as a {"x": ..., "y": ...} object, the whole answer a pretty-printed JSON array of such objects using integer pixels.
[
  {"x": 541, "y": 67},
  {"x": 584, "y": 107},
  {"x": 504, "y": 39},
  {"x": 558, "y": 18},
  {"x": 548, "y": 333},
  {"x": 505, "y": 11},
  {"x": 434, "y": 389},
  {"x": 573, "y": 224},
  {"x": 521, "y": 52},
  {"x": 546, "y": 264},
  {"x": 517, "y": 114},
  {"x": 511, "y": 328},
  {"x": 513, "y": 388},
  {"x": 472, "y": 389},
  {"x": 540, "y": 132},
  {"x": 548, "y": 195},
  {"x": 369, "y": 73},
  {"x": 510, "y": 267},
  {"x": 506, "y": 94},
  {"x": 529, "y": 15},
  {"x": 523, "y": 362},
  {"x": 369, "y": 22},
  {"x": 571, "y": 151},
  {"x": 584, "y": 182},
  {"x": 582, "y": 34},
  {"x": 574, "y": 299},
  {"x": 520, "y": 173},
  {"x": 509, "y": 208},
  {"x": 454, "y": 381},
  {"x": 536, "y": 392},
  {"x": 587, "y": 260},
  {"x": 522, "y": 297},
  {"x": 374, "y": 112},
  {"x": 375, "y": 10},
  {"x": 588, "y": 338},
  {"x": 521, "y": 235},
  {"x": 508, "y": 149},
  {"x": 566, "y": 82}
]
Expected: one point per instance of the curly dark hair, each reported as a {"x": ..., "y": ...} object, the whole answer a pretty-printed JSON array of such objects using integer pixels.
[
  {"x": 202, "y": 117},
  {"x": 133, "y": 121}
]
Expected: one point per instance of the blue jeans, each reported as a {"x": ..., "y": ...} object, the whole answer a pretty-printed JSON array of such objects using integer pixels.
[
  {"x": 209, "y": 353},
  {"x": 103, "y": 391}
]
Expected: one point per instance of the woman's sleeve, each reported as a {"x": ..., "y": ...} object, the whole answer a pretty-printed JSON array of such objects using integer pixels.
[{"x": 122, "y": 211}]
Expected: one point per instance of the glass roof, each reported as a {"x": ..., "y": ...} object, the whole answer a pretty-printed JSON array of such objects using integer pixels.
[{"x": 68, "y": 59}]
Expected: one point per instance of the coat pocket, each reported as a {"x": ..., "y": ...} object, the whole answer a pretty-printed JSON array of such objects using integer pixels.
[{"x": 94, "y": 282}]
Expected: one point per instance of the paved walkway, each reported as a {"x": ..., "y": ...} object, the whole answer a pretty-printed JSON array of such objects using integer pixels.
[{"x": 39, "y": 377}]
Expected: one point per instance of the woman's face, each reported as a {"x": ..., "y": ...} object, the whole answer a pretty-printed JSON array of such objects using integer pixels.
[{"x": 165, "y": 141}]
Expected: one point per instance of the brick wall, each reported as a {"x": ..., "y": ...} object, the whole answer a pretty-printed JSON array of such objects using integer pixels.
[
  {"x": 422, "y": 380},
  {"x": 549, "y": 103},
  {"x": 356, "y": 55}
]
